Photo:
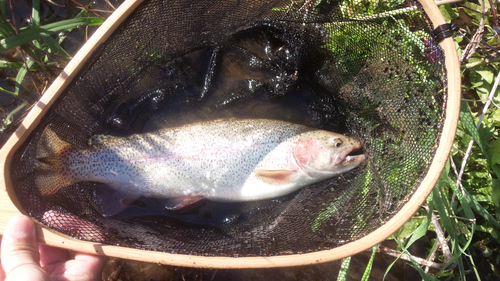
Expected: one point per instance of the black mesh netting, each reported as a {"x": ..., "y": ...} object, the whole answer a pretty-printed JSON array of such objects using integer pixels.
[{"x": 367, "y": 69}]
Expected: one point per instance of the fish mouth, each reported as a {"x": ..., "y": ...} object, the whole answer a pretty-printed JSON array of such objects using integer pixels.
[{"x": 353, "y": 156}]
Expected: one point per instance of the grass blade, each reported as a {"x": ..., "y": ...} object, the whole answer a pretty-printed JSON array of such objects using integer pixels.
[
  {"x": 7, "y": 92},
  {"x": 17, "y": 65},
  {"x": 55, "y": 47},
  {"x": 419, "y": 232},
  {"x": 368, "y": 269},
  {"x": 2, "y": 10},
  {"x": 480, "y": 210},
  {"x": 46, "y": 30},
  {"x": 444, "y": 214},
  {"x": 35, "y": 13},
  {"x": 49, "y": 41},
  {"x": 5, "y": 29},
  {"x": 344, "y": 267},
  {"x": 8, "y": 119},
  {"x": 414, "y": 263},
  {"x": 20, "y": 75},
  {"x": 468, "y": 121}
]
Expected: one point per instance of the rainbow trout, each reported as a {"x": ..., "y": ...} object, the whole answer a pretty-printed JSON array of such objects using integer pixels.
[{"x": 221, "y": 160}]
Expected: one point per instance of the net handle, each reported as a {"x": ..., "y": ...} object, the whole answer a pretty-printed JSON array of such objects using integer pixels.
[{"x": 9, "y": 205}]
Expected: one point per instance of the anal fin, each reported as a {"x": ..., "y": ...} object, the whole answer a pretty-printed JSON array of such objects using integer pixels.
[
  {"x": 184, "y": 203},
  {"x": 110, "y": 202}
]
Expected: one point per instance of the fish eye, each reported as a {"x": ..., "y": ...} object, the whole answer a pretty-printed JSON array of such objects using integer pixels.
[{"x": 336, "y": 142}]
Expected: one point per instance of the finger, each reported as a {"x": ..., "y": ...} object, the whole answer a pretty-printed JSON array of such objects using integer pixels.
[
  {"x": 19, "y": 254},
  {"x": 2, "y": 272},
  {"x": 83, "y": 267},
  {"x": 51, "y": 255}
]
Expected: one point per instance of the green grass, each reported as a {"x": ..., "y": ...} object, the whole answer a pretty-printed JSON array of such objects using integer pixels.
[
  {"x": 460, "y": 220},
  {"x": 38, "y": 49},
  {"x": 463, "y": 210}
]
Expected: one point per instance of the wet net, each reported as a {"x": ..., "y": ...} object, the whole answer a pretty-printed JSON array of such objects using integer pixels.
[{"x": 366, "y": 69}]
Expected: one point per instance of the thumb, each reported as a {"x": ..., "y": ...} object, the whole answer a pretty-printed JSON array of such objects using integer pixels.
[{"x": 19, "y": 251}]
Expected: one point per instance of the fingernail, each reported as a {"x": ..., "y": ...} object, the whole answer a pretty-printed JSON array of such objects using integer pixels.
[{"x": 20, "y": 227}]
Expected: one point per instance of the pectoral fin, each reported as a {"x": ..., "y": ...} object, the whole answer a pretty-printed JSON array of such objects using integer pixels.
[{"x": 277, "y": 177}]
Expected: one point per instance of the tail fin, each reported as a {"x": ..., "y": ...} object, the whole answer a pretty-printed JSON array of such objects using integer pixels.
[{"x": 51, "y": 171}]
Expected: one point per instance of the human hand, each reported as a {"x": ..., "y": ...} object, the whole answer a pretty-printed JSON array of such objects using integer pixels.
[{"x": 22, "y": 259}]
